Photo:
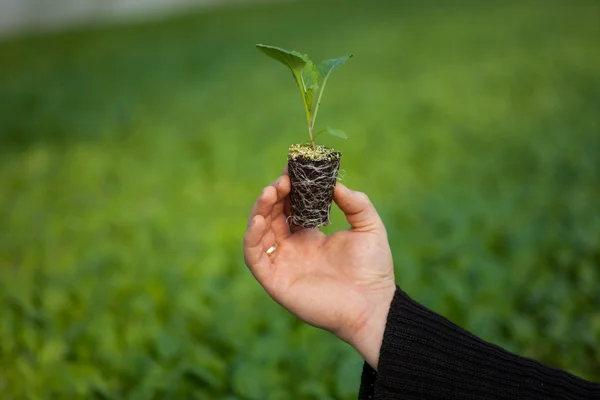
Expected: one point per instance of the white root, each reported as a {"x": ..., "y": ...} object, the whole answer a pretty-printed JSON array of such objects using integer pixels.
[{"x": 312, "y": 191}]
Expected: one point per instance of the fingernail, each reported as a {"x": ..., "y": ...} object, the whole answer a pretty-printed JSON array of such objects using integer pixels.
[{"x": 277, "y": 181}]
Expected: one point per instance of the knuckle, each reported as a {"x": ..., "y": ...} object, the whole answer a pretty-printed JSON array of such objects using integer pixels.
[
  {"x": 268, "y": 193},
  {"x": 363, "y": 198}
]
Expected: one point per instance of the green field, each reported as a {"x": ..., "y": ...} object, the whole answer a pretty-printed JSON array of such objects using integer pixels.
[{"x": 130, "y": 157}]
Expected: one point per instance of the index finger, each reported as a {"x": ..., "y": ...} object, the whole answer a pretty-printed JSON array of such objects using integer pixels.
[
  {"x": 270, "y": 198},
  {"x": 264, "y": 204}
]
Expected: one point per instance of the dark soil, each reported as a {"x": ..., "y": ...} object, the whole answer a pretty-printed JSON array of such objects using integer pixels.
[{"x": 313, "y": 183}]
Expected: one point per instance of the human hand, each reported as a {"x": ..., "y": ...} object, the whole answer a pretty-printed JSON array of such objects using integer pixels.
[{"x": 343, "y": 283}]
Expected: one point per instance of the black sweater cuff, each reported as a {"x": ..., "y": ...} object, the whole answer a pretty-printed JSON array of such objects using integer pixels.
[{"x": 425, "y": 356}]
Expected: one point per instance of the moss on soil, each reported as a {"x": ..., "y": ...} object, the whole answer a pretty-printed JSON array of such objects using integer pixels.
[{"x": 319, "y": 153}]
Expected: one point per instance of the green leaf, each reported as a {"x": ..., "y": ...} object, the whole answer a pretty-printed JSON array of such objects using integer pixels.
[
  {"x": 294, "y": 60},
  {"x": 325, "y": 69},
  {"x": 310, "y": 80},
  {"x": 336, "y": 132},
  {"x": 202, "y": 376},
  {"x": 333, "y": 132},
  {"x": 310, "y": 76},
  {"x": 296, "y": 63}
]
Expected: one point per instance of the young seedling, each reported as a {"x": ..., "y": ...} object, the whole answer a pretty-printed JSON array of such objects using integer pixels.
[
  {"x": 312, "y": 168},
  {"x": 311, "y": 80}
]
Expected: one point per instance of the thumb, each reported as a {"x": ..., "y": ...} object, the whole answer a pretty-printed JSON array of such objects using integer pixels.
[{"x": 357, "y": 207}]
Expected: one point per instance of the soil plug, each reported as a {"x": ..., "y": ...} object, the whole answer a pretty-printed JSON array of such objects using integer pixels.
[{"x": 313, "y": 168}]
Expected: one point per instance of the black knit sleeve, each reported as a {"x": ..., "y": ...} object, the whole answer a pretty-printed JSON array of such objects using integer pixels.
[{"x": 425, "y": 356}]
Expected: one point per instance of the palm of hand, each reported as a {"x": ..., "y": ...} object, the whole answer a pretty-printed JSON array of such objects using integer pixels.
[
  {"x": 341, "y": 283},
  {"x": 329, "y": 281}
]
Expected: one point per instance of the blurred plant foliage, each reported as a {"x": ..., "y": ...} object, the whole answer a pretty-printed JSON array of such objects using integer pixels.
[{"x": 130, "y": 157}]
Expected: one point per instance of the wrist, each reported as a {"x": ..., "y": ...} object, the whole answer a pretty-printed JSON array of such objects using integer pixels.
[{"x": 368, "y": 336}]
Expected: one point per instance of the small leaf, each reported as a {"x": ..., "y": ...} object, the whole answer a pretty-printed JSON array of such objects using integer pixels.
[
  {"x": 333, "y": 132},
  {"x": 308, "y": 99},
  {"x": 202, "y": 376},
  {"x": 310, "y": 76},
  {"x": 310, "y": 80},
  {"x": 294, "y": 60},
  {"x": 325, "y": 69},
  {"x": 337, "y": 133}
]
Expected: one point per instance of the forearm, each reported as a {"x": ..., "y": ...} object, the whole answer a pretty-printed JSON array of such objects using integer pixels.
[{"x": 425, "y": 356}]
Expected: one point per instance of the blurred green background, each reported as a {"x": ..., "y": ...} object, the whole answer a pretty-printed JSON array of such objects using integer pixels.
[{"x": 130, "y": 156}]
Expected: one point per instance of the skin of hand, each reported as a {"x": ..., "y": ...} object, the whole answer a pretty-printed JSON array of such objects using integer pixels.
[{"x": 343, "y": 283}]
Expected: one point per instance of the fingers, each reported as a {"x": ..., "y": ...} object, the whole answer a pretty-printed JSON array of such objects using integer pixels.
[
  {"x": 254, "y": 253},
  {"x": 266, "y": 225},
  {"x": 286, "y": 202},
  {"x": 357, "y": 207},
  {"x": 282, "y": 187},
  {"x": 272, "y": 202},
  {"x": 264, "y": 204},
  {"x": 279, "y": 223}
]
